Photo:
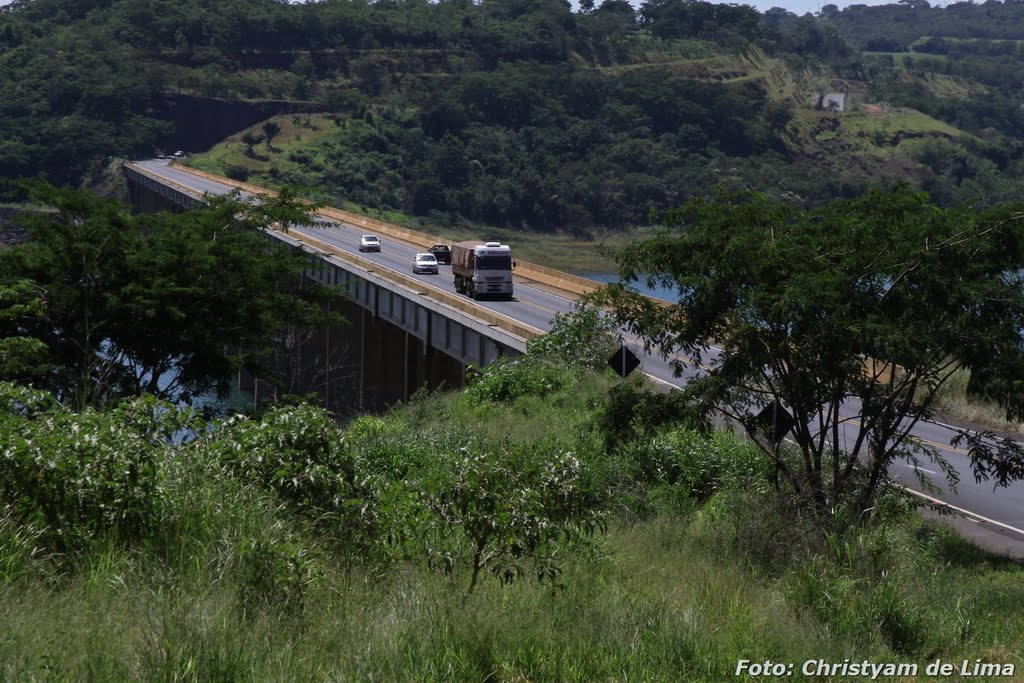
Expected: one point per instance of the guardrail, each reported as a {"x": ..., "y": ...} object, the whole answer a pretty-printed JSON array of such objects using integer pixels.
[
  {"x": 567, "y": 282},
  {"x": 165, "y": 181}
]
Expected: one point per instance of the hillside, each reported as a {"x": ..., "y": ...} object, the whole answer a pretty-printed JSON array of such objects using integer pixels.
[
  {"x": 613, "y": 553},
  {"x": 517, "y": 114}
]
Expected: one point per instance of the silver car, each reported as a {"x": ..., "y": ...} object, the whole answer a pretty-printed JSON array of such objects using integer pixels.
[
  {"x": 369, "y": 243},
  {"x": 424, "y": 263}
]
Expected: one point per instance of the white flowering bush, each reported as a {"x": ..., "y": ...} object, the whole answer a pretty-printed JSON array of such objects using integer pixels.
[
  {"x": 298, "y": 452},
  {"x": 79, "y": 476}
]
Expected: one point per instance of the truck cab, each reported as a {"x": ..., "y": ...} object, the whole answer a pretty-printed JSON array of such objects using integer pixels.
[{"x": 482, "y": 269}]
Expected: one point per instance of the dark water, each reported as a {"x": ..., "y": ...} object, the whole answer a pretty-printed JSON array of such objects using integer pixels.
[
  {"x": 666, "y": 293},
  {"x": 237, "y": 401}
]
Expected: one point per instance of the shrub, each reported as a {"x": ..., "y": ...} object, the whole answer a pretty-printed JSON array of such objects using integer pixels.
[
  {"x": 504, "y": 510},
  {"x": 631, "y": 411},
  {"x": 239, "y": 173},
  {"x": 581, "y": 338},
  {"x": 680, "y": 469},
  {"x": 508, "y": 381},
  {"x": 302, "y": 457},
  {"x": 79, "y": 476},
  {"x": 364, "y": 428},
  {"x": 296, "y": 451},
  {"x": 17, "y": 401}
]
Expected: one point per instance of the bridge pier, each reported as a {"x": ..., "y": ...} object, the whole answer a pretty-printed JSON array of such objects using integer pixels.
[{"x": 384, "y": 363}]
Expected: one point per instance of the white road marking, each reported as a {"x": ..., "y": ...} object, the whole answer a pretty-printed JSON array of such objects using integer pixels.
[
  {"x": 968, "y": 513},
  {"x": 964, "y": 429}
]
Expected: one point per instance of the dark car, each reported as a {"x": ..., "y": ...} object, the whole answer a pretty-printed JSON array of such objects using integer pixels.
[{"x": 442, "y": 252}]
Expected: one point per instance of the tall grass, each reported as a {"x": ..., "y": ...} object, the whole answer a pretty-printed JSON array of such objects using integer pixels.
[
  {"x": 240, "y": 583},
  {"x": 953, "y": 401},
  {"x": 623, "y": 614}
]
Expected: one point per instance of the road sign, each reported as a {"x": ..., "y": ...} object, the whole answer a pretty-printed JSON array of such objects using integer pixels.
[
  {"x": 624, "y": 361},
  {"x": 774, "y": 422}
]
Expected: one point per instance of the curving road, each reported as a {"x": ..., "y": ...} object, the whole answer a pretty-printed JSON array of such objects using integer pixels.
[{"x": 992, "y": 517}]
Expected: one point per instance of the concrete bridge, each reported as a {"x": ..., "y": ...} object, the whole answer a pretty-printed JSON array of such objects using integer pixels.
[{"x": 406, "y": 331}]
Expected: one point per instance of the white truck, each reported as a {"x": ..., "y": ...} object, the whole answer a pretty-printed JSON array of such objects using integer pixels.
[{"x": 482, "y": 269}]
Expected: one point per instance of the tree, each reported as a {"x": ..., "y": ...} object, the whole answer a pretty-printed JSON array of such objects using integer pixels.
[
  {"x": 250, "y": 140},
  {"x": 73, "y": 256},
  {"x": 270, "y": 131},
  {"x": 22, "y": 357},
  {"x": 506, "y": 510},
  {"x": 851, "y": 317},
  {"x": 155, "y": 303}
]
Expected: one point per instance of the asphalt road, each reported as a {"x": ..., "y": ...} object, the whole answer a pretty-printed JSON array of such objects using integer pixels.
[{"x": 994, "y": 517}]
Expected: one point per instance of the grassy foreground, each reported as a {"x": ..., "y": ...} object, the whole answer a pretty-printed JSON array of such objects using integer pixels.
[{"x": 283, "y": 548}]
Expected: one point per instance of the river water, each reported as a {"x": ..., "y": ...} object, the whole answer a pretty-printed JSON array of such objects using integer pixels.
[{"x": 665, "y": 293}]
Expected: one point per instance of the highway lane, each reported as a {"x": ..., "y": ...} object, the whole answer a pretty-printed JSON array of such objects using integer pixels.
[{"x": 536, "y": 307}]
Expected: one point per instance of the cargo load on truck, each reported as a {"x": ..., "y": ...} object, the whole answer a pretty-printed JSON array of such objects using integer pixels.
[{"x": 482, "y": 269}]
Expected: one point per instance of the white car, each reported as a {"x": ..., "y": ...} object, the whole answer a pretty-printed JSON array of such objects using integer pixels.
[
  {"x": 424, "y": 263},
  {"x": 369, "y": 243}
]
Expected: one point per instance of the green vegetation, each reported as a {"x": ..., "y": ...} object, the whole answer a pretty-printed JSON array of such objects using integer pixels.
[
  {"x": 284, "y": 547},
  {"x": 517, "y": 116},
  {"x": 959, "y": 399},
  {"x": 548, "y": 523},
  {"x": 99, "y": 304},
  {"x": 871, "y": 304}
]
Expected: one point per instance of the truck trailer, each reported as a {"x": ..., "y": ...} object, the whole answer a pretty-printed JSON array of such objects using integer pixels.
[{"x": 482, "y": 269}]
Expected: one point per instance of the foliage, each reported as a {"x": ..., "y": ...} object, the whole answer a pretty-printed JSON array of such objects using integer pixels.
[
  {"x": 234, "y": 584},
  {"x": 78, "y": 477},
  {"x": 995, "y": 28},
  {"x": 859, "y": 606},
  {"x": 547, "y": 119},
  {"x": 511, "y": 380},
  {"x": 273, "y": 574},
  {"x": 562, "y": 135},
  {"x": 498, "y": 510},
  {"x": 153, "y": 303},
  {"x": 698, "y": 465},
  {"x": 677, "y": 470},
  {"x": 22, "y": 357},
  {"x": 506, "y": 509},
  {"x": 270, "y": 131},
  {"x": 854, "y": 314},
  {"x": 632, "y": 411},
  {"x": 581, "y": 338},
  {"x": 297, "y": 452}
]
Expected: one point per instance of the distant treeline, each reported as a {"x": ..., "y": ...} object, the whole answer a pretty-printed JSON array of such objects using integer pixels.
[{"x": 521, "y": 113}]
